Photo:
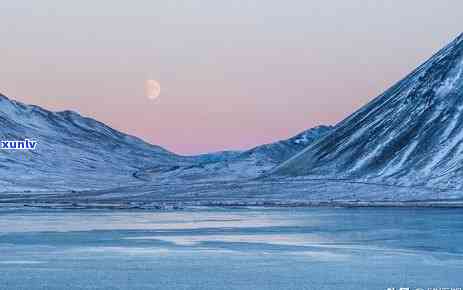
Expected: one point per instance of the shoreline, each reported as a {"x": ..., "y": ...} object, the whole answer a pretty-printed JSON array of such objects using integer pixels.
[
  {"x": 185, "y": 205},
  {"x": 269, "y": 193}
]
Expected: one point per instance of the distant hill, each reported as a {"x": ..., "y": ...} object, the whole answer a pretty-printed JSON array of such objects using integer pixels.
[{"x": 235, "y": 165}]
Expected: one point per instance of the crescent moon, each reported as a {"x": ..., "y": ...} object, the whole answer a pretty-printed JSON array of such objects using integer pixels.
[{"x": 152, "y": 89}]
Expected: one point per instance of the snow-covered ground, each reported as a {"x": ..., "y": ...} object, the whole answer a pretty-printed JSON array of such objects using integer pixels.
[{"x": 283, "y": 192}]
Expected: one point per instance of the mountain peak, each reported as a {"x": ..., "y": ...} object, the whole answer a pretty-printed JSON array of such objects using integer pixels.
[{"x": 459, "y": 38}]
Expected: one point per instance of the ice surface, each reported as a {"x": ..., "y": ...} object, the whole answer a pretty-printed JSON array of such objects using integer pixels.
[{"x": 359, "y": 249}]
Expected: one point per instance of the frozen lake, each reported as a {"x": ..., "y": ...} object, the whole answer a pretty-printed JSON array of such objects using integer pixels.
[{"x": 285, "y": 248}]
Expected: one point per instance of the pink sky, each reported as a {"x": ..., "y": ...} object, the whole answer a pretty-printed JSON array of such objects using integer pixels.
[{"x": 234, "y": 74}]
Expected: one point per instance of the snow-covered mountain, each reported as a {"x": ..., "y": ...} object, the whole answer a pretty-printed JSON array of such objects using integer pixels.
[
  {"x": 72, "y": 151},
  {"x": 235, "y": 165},
  {"x": 75, "y": 152},
  {"x": 410, "y": 135}
]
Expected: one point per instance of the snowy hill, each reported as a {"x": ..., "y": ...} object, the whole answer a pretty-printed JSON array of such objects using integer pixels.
[
  {"x": 410, "y": 135},
  {"x": 75, "y": 152},
  {"x": 72, "y": 151},
  {"x": 234, "y": 165}
]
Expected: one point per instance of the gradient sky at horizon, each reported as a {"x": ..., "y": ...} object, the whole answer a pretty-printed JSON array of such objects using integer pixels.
[{"x": 234, "y": 74}]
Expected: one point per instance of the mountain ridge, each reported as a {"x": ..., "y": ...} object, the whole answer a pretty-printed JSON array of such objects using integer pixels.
[
  {"x": 412, "y": 134},
  {"x": 72, "y": 150},
  {"x": 78, "y": 152}
]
